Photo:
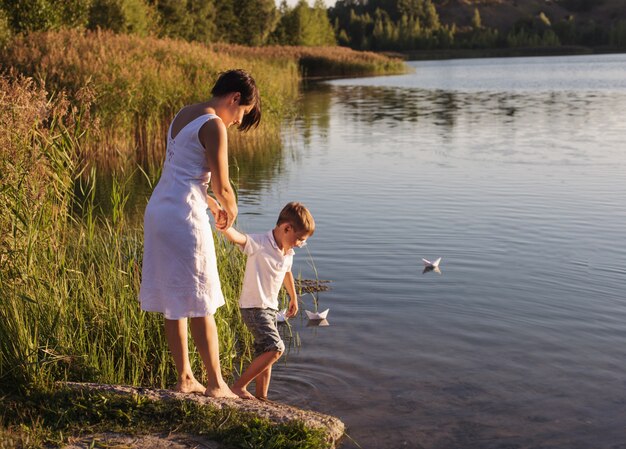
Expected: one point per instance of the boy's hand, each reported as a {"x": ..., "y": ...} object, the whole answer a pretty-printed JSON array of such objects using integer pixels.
[
  {"x": 221, "y": 219},
  {"x": 293, "y": 308}
]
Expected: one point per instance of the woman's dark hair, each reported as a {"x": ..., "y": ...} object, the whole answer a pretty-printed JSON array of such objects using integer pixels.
[{"x": 240, "y": 81}]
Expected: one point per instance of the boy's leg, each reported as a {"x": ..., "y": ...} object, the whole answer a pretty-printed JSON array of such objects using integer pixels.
[
  {"x": 259, "y": 365},
  {"x": 263, "y": 383},
  {"x": 204, "y": 332},
  {"x": 176, "y": 335}
]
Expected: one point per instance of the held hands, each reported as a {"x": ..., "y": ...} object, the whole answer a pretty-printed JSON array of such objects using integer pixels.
[
  {"x": 221, "y": 220},
  {"x": 293, "y": 308},
  {"x": 220, "y": 216}
]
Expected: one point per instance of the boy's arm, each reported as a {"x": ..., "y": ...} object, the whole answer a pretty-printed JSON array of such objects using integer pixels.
[
  {"x": 235, "y": 236},
  {"x": 213, "y": 204},
  {"x": 291, "y": 291},
  {"x": 218, "y": 213}
]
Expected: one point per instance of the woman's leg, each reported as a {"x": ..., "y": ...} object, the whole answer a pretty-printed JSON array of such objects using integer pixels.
[
  {"x": 204, "y": 333},
  {"x": 176, "y": 334}
]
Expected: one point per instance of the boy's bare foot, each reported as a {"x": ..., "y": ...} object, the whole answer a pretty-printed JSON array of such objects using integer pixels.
[
  {"x": 222, "y": 392},
  {"x": 189, "y": 386},
  {"x": 242, "y": 393},
  {"x": 263, "y": 399}
]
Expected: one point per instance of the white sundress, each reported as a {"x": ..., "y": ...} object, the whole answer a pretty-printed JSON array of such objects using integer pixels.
[{"x": 179, "y": 273}]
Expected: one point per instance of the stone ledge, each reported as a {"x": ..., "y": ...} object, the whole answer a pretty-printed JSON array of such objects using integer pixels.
[{"x": 273, "y": 411}]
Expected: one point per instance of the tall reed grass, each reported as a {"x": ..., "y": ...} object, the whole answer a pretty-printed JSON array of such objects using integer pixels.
[
  {"x": 69, "y": 276},
  {"x": 321, "y": 62},
  {"x": 139, "y": 83}
]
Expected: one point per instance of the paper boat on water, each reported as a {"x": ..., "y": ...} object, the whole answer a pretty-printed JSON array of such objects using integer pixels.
[
  {"x": 317, "y": 315},
  {"x": 430, "y": 264},
  {"x": 281, "y": 316},
  {"x": 317, "y": 323}
]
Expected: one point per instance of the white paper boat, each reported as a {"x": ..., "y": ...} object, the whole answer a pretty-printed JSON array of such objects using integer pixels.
[
  {"x": 317, "y": 315},
  {"x": 281, "y": 316},
  {"x": 430, "y": 264},
  {"x": 317, "y": 323}
]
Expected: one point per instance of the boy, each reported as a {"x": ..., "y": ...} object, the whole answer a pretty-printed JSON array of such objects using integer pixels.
[{"x": 270, "y": 257}]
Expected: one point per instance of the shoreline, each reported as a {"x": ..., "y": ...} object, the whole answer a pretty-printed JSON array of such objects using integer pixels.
[
  {"x": 426, "y": 55},
  {"x": 79, "y": 415}
]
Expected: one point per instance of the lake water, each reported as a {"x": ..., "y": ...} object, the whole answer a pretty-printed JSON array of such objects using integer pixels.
[{"x": 512, "y": 170}]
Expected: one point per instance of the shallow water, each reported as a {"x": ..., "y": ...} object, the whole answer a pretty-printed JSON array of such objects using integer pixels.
[{"x": 512, "y": 170}]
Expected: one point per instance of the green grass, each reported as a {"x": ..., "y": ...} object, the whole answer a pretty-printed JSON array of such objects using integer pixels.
[
  {"x": 70, "y": 275},
  {"x": 50, "y": 418}
]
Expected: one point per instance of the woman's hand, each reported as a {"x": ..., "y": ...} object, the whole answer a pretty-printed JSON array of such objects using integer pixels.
[{"x": 230, "y": 216}]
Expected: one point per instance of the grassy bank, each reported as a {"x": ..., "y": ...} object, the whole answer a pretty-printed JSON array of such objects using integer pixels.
[
  {"x": 78, "y": 107},
  {"x": 323, "y": 62},
  {"x": 139, "y": 83},
  {"x": 50, "y": 418}
]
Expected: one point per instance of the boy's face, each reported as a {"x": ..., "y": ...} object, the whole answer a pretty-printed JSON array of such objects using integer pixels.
[{"x": 294, "y": 238}]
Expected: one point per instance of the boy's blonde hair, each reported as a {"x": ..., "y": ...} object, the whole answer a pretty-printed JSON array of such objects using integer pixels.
[{"x": 297, "y": 216}]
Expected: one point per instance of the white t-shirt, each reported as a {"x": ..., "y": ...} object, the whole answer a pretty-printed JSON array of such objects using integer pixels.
[{"x": 265, "y": 271}]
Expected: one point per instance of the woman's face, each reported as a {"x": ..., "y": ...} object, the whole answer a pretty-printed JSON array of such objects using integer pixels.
[
  {"x": 241, "y": 111},
  {"x": 237, "y": 111}
]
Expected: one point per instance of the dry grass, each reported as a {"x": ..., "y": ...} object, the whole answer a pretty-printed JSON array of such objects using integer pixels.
[
  {"x": 322, "y": 61},
  {"x": 139, "y": 83}
]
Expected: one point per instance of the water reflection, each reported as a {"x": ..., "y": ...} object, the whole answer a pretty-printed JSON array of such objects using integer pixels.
[
  {"x": 318, "y": 323},
  {"x": 255, "y": 162},
  {"x": 514, "y": 128},
  {"x": 314, "y": 113}
]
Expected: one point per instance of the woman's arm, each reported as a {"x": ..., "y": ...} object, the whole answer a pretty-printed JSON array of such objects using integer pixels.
[{"x": 213, "y": 137}]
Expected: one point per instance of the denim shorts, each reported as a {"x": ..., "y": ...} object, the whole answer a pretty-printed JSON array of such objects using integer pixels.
[{"x": 262, "y": 325}]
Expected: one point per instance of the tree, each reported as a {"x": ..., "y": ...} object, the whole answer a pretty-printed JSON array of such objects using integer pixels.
[
  {"x": 33, "y": 15},
  {"x": 476, "y": 21},
  {"x": 123, "y": 16},
  {"x": 431, "y": 18},
  {"x": 227, "y": 27},
  {"x": 618, "y": 34},
  {"x": 5, "y": 29},
  {"x": 192, "y": 20},
  {"x": 257, "y": 20},
  {"x": 304, "y": 25}
]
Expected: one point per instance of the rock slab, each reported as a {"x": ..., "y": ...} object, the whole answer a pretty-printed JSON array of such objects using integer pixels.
[{"x": 275, "y": 412}]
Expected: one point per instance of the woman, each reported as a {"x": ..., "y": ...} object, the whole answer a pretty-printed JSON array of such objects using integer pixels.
[{"x": 179, "y": 277}]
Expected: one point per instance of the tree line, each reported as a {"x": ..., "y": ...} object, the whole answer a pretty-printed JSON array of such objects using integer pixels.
[
  {"x": 379, "y": 25},
  {"x": 246, "y": 22},
  {"x": 415, "y": 24}
]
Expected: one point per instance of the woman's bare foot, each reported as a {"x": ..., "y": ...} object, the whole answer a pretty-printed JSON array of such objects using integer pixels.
[
  {"x": 242, "y": 393},
  {"x": 222, "y": 392},
  {"x": 189, "y": 385}
]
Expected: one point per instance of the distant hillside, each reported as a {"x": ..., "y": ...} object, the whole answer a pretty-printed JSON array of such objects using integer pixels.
[{"x": 503, "y": 14}]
